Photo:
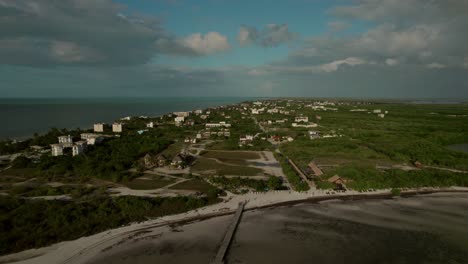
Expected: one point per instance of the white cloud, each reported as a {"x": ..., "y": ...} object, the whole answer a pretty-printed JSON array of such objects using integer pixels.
[
  {"x": 391, "y": 62},
  {"x": 436, "y": 65},
  {"x": 270, "y": 36},
  {"x": 244, "y": 37},
  {"x": 210, "y": 43},
  {"x": 336, "y": 26},
  {"x": 333, "y": 66},
  {"x": 256, "y": 72}
]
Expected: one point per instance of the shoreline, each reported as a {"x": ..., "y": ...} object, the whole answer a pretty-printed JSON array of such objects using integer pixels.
[{"x": 85, "y": 248}]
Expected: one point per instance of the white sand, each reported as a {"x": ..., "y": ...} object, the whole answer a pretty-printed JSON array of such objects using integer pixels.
[{"x": 84, "y": 249}]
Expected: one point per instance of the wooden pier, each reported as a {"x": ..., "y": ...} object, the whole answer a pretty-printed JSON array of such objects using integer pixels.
[{"x": 223, "y": 249}]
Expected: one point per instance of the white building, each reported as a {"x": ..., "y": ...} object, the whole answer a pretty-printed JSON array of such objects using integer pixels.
[
  {"x": 117, "y": 127},
  {"x": 301, "y": 119},
  {"x": 245, "y": 140},
  {"x": 57, "y": 150},
  {"x": 178, "y": 120},
  {"x": 220, "y": 124},
  {"x": 198, "y": 112},
  {"x": 99, "y": 127},
  {"x": 381, "y": 115},
  {"x": 150, "y": 125},
  {"x": 304, "y": 125},
  {"x": 314, "y": 134},
  {"x": 65, "y": 139},
  {"x": 181, "y": 114},
  {"x": 377, "y": 111},
  {"x": 79, "y": 147}
]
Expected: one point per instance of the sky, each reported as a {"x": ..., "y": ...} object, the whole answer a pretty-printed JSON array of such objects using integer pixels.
[{"x": 300, "y": 48}]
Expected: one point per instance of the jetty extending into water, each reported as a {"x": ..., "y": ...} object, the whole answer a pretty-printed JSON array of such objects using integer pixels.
[{"x": 223, "y": 249}]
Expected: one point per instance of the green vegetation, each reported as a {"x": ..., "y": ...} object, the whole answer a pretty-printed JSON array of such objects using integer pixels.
[
  {"x": 241, "y": 155},
  {"x": 295, "y": 180},
  {"x": 234, "y": 184},
  {"x": 153, "y": 182},
  {"x": 110, "y": 160},
  {"x": 209, "y": 166},
  {"x": 198, "y": 185},
  {"x": 75, "y": 191},
  {"x": 28, "y": 224},
  {"x": 362, "y": 177},
  {"x": 396, "y": 192}
]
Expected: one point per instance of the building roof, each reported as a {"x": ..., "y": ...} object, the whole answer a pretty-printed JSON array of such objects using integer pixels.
[
  {"x": 334, "y": 178},
  {"x": 317, "y": 171}
]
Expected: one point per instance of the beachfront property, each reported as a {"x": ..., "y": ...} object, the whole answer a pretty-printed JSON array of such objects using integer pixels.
[
  {"x": 117, "y": 127},
  {"x": 314, "y": 134},
  {"x": 99, "y": 127},
  {"x": 150, "y": 125},
  {"x": 181, "y": 114},
  {"x": 246, "y": 140},
  {"x": 91, "y": 138},
  {"x": 79, "y": 147},
  {"x": 57, "y": 149},
  {"x": 179, "y": 120},
  {"x": 301, "y": 119},
  {"x": 308, "y": 125},
  {"x": 198, "y": 112},
  {"x": 314, "y": 169},
  {"x": 65, "y": 139},
  {"x": 216, "y": 125}
]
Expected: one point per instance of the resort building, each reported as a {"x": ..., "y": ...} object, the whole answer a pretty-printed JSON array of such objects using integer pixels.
[
  {"x": 65, "y": 139},
  {"x": 314, "y": 134},
  {"x": 57, "y": 150},
  {"x": 117, "y": 127},
  {"x": 99, "y": 127},
  {"x": 181, "y": 114},
  {"x": 79, "y": 147},
  {"x": 301, "y": 119},
  {"x": 150, "y": 125}
]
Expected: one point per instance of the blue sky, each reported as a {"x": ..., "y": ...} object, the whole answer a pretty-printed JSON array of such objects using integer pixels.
[
  {"x": 153, "y": 48},
  {"x": 185, "y": 17}
]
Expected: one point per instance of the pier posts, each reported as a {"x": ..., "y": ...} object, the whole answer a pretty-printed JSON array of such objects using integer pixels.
[{"x": 222, "y": 251}]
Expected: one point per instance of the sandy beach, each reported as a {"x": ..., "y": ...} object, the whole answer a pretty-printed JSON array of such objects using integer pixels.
[{"x": 86, "y": 249}]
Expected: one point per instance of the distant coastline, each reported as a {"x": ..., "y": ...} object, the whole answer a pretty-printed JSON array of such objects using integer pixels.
[{"x": 25, "y": 116}]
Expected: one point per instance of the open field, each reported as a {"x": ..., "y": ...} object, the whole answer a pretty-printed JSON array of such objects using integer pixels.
[
  {"x": 211, "y": 167},
  {"x": 193, "y": 185},
  {"x": 149, "y": 182},
  {"x": 239, "y": 155}
]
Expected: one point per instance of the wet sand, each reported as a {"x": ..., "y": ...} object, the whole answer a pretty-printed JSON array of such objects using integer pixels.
[{"x": 422, "y": 229}]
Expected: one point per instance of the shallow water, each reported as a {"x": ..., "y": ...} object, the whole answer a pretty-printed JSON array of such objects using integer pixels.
[{"x": 428, "y": 229}]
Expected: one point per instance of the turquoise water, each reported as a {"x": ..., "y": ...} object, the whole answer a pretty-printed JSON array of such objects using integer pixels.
[{"x": 23, "y": 117}]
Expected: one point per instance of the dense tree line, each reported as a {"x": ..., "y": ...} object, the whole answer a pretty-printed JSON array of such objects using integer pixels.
[{"x": 28, "y": 224}]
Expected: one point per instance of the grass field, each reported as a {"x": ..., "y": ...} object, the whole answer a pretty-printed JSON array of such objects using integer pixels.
[
  {"x": 239, "y": 155},
  {"x": 211, "y": 167},
  {"x": 155, "y": 182},
  {"x": 194, "y": 185}
]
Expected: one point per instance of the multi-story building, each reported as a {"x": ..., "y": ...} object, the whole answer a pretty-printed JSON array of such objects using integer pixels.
[
  {"x": 99, "y": 127},
  {"x": 117, "y": 127}
]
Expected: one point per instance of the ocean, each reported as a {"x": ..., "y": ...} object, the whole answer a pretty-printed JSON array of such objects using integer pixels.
[{"x": 21, "y": 118}]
